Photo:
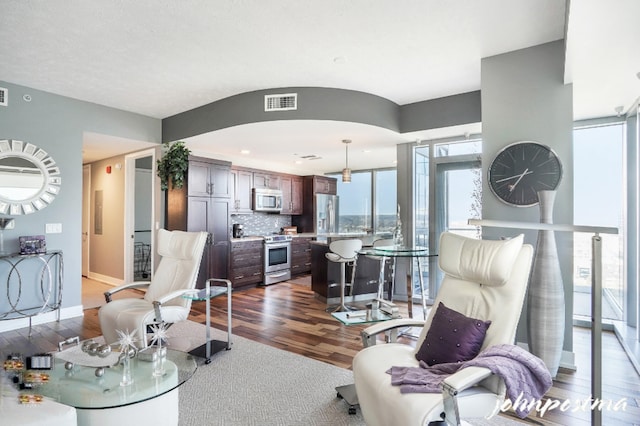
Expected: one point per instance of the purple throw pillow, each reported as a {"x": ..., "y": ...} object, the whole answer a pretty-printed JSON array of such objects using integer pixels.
[{"x": 452, "y": 337}]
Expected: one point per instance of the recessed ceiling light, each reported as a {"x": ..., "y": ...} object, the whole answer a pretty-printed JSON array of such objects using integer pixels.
[
  {"x": 298, "y": 162},
  {"x": 245, "y": 151},
  {"x": 366, "y": 151}
]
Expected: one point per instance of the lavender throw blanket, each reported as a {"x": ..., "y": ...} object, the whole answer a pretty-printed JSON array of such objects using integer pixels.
[{"x": 522, "y": 372}]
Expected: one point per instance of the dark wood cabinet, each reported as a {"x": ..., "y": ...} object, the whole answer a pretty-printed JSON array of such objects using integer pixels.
[
  {"x": 202, "y": 204},
  {"x": 324, "y": 185},
  {"x": 241, "y": 185},
  {"x": 325, "y": 276},
  {"x": 312, "y": 185},
  {"x": 266, "y": 180},
  {"x": 208, "y": 178},
  {"x": 300, "y": 255},
  {"x": 291, "y": 187},
  {"x": 246, "y": 265}
]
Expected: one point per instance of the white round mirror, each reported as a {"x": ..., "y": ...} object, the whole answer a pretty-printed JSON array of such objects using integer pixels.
[{"x": 29, "y": 178}]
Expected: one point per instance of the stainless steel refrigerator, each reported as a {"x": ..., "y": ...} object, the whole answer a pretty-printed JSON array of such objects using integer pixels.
[{"x": 326, "y": 210}]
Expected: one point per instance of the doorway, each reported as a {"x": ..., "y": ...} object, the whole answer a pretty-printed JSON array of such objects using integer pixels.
[
  {"x": 139, "y": 216},
  {"x": 86, "y": 212}
]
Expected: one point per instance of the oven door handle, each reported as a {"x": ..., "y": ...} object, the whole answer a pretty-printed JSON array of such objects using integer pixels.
[{"x": 277, "y": 275}]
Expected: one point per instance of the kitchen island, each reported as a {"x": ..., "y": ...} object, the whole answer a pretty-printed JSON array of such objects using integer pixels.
[{"x": 325, "y": 275}]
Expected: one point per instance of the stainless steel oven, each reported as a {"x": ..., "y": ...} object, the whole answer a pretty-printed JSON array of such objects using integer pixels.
[{"x": 277, "y": 258}]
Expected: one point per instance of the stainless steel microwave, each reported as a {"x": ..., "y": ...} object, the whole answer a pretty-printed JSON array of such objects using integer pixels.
[{"x": 267, "y": 200}]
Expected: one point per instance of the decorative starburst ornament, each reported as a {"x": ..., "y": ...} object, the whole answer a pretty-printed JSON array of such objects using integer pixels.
[
  {"x": 127, "y": 344},
  {"x": 158, "y": 333},
  {"x": 127, "y": 340},
  {"x": 158, "y": 337}
]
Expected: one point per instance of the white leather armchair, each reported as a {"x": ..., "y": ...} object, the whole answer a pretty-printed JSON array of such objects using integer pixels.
[
  {"x": 485, "y": 280},
  {"x": 176, "y": 274}
]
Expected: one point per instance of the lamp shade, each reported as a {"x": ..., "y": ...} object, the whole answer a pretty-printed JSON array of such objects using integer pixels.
[
  {"x": 346, "y": 172},
  {"x": 346, "y": 175}
]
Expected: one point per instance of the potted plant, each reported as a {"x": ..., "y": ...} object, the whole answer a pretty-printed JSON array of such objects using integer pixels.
[{"x": 173, "y": 165}]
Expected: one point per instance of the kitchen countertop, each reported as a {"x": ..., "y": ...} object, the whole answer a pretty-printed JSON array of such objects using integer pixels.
[{"x": 260, "y": 238}]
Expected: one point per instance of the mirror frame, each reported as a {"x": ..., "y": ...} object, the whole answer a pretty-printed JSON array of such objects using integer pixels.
[{"x": 50, "y": 173}]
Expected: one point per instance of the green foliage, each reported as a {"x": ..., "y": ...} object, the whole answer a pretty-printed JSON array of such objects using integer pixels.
[{"x": 173, "y": 165}]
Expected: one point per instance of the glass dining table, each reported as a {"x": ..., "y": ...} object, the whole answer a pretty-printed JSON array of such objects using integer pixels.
[{"x": 398, "y": 251}]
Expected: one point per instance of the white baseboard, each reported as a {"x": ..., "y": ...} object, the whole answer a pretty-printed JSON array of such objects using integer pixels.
[
  {"x": 567, "y": 359},
  {"x": 105, "y": 279},
  {"x": 46, "y": 317}
]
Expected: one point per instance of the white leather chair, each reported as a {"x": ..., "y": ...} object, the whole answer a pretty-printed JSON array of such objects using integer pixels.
[
  {"x": 486, "y": 280},
  {"x": 176, "y": 274},
  {"x": 343, "y": 252}
]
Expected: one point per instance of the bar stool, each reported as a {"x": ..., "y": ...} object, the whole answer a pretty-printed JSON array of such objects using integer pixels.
[
  {"x": 343, "y": 252},
  {"x": 382, "y": 260}
]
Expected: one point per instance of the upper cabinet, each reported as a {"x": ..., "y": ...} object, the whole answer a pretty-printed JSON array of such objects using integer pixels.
[
  {"x": 208, "y": 178},
  {"x": 266, "y": 180},
  {"x": 241, "y": 185},
  {"x": 242, "y": 180},
  {"x": 291, "y": 187},
  {"x": 325, "y": 185}
]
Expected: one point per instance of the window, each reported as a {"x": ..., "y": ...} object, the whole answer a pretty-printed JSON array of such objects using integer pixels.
[
  {"x": 368, "y": 203},
  {"x": 385, "y": 211},
  {"x": 599, "y": 201},
  {"x": 447, "y": 192}
]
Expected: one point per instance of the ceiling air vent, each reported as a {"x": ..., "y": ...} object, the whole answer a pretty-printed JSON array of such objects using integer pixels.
[
  {"x": 282, "y": 102},
  {"x": 4, "y": 96}
]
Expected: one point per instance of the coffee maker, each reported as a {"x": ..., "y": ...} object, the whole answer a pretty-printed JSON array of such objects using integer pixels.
[{"x": 238, "y": 230}]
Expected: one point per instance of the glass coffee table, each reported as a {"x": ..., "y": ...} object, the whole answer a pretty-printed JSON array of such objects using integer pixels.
[
  {"x": 368, "y": 316},
  {"x": 102, "y": 400}
]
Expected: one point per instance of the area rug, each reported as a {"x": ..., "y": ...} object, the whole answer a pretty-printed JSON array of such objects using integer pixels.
[{"x": 255, "y": 384}]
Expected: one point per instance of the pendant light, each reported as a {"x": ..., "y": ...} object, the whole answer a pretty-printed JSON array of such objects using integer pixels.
[{"x": 346, "y": 172}]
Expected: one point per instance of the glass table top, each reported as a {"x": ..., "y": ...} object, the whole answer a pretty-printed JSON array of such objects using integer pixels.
[
  {"x": 81, "y": 388},
  {"x": 201, "y": 294},
  {"x": 397, "y": 251},
  {"x": 361, "y": 317}
]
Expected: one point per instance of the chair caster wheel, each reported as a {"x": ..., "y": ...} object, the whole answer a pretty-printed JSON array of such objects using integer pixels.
[{"x": 352, "y": 410}]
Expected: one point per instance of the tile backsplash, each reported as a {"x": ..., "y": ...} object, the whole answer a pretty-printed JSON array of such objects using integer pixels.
[{"x": 261, "y": 223}]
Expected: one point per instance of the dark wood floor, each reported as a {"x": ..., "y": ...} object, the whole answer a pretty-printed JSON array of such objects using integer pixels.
[{"x": 289, "y": 317}]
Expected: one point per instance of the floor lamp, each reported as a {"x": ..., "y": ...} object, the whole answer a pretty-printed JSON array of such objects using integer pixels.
[{"x": 596, "y": 291}]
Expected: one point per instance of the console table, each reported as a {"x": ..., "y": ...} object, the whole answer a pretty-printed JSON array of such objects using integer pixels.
[{"x": 32, "y": 284}]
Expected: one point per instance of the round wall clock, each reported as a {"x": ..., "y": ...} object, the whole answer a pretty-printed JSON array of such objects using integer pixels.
[{"x": 522, "y": 169}]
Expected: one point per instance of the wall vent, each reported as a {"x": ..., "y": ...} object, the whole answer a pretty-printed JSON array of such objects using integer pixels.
[
  {"x": 282, "y": 102},
  {"x": 4, "y": 96}
]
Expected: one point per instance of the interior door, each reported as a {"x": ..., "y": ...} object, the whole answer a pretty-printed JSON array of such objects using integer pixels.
[
  {"x": 139, "y": 215},
  {"x": 86, "y": 211}
]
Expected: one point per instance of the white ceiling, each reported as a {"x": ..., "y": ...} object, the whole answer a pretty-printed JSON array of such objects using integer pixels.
[{"x": 162, "y": 57}]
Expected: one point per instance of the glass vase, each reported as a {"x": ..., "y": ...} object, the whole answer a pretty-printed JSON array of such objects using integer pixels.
[{"x": 127, "y": 378}]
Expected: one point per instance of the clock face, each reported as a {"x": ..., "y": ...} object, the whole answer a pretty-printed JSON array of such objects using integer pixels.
[{"x": 522, "y": 169}]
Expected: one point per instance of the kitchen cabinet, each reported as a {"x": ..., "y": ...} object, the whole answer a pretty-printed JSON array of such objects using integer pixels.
[
  {"x": 312, "y": 185},
  {"x": 241, "y": 185},
  {"x": 208, "y": 178},
  {"x": 291, "y": 187},
  {"x": 266, "y": 180},
  {"x": 246, "y": 265},
  {"x": 324, "y": 185},
  {"x": 300, "y": 255},
  {"x": 208, "y": 211}
]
